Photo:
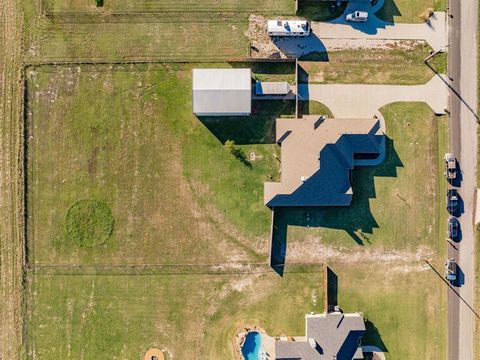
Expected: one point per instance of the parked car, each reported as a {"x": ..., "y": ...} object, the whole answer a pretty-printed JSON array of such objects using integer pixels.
[
  {"x": 452, "y": 200},
  {"x": 357, "y": 16},
  {"x": 451, "y": 270},
  {"x": 453, "y": 227},
  {"x": 450, "y": 166}
]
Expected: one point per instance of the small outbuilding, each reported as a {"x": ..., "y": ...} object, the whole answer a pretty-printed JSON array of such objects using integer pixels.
[
  {"x": 222, "y": 92},
  {"x": 271, "y": 88}
]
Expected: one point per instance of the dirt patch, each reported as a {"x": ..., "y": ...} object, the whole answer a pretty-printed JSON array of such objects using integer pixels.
[
  {"x": 312, "y": 249},
  {"x": 261, "y": 44}
]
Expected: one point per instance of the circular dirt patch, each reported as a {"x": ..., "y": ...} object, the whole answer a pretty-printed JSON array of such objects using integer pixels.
[
  {"x": 154, "y": 354},
  {"x": 89, "y": 223}
]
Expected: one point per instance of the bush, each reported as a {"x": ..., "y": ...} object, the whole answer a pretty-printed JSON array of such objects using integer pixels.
[
  {"x": 99, "y": 3},
  {"x": 238, "y": 153},
  {"x": 89, "y": 223}
]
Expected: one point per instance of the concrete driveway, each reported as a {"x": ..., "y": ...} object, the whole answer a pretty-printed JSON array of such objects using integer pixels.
[{"x": 358, "y": 101}]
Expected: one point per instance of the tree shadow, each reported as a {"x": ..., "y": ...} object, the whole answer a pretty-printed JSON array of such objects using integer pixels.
[
  {"x": 356, "y": 219},
  {"x": 258, "y": 128},
  {"x": 373, "y": 337}
]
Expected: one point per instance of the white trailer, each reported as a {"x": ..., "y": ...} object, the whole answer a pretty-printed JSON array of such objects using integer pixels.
[{"x": 288, "y": 28}]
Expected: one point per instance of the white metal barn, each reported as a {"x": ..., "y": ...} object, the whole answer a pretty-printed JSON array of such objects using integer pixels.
[
  {"x": 288, "y": 28},
  {"x": 222, "y": 92}
]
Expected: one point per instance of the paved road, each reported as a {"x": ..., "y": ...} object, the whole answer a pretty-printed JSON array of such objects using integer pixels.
[
  {"x": 463, "y": 143},
  {"x": 363, "y": 101}
]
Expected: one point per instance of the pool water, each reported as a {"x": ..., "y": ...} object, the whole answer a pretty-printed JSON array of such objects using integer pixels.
[{"x": 251, "y": 346}]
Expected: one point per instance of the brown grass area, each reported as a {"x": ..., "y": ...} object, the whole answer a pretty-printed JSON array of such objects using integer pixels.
[{"x": 11, "y": 181}]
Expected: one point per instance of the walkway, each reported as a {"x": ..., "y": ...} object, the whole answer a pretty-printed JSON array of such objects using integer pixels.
[{"x": 363, "y": 101}]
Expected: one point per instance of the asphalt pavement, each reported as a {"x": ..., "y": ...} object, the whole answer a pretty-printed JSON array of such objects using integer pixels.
[{"x": 462, "y": 71}]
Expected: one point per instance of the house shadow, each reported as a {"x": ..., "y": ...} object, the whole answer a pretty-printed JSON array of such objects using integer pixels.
[
  {"x": 258, "y": 128},
  {"x": 332, "y": 290},
  {"x": 388, "y": 11},
  {"x": 356, "y": 219},
  {"x": 373, "y": 337},
  {"x": 381, "y": 13}
]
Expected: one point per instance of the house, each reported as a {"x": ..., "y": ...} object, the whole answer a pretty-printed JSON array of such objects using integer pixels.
[
  {"x": 333, "y": 335},
  {"x": 222, "y": 92},
  {"x": 317, "y": 156}
]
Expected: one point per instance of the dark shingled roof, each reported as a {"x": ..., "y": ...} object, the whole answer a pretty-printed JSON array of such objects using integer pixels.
[{"x": 329, "y": 336}]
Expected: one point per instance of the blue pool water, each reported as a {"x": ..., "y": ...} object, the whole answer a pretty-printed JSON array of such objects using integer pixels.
[{"x": 251, "y": 346}]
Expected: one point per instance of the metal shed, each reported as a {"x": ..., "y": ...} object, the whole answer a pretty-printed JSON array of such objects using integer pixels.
[{"x": 222, "y": 92}]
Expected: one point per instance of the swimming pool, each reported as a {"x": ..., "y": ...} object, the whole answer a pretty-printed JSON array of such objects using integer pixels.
[{"x": 251, "y": 346}]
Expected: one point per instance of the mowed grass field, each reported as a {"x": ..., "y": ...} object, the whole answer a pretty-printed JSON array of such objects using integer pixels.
[
  {"x": 196, "y": 316},
  {"x": 405, "y": 66},
  {"x": 218, "y": 37},
  {"x": 178, "y": 6}
]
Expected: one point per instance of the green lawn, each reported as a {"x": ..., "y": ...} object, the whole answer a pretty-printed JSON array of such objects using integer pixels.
[
  {"x": 368, "y": 66},
  {"x": 409, "y": 11},
  {"x": 398, "y": 204}
]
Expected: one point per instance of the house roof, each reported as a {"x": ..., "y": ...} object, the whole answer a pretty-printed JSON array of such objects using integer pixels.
[
  {"x": 328, "y": 336},
  {"x": 222, "y": 91},
  {"x": 317, "y": 155}
]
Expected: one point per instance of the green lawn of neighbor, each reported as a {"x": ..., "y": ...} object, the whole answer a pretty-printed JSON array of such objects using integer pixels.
[
  {"x": 369, "y": 66},
  {"x": 175, "y": 6},
  {"x": 398, "y": 204},
  {"x": 118, "y": 317},
  {"x": 409, "y": 11},
  {"x": 191, "y": 316},
  {"x": 405, "y": 305}
]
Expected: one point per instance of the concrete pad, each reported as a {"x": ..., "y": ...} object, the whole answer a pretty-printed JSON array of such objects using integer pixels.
[{"x": 363, "y": 101}]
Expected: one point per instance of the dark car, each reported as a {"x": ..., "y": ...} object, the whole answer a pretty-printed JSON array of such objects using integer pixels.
[
  {"x": 453, "y": 227},
  {"x": 452, "y": 200}
]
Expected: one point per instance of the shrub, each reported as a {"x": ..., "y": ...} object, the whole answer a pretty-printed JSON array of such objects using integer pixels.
[{"x": 238, "y": 153}]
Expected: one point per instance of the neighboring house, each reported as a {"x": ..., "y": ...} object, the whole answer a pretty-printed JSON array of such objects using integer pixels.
[
  {"x": 222, "y": 92},
  {"x": 317, "y": 156},
  {"x": 328, "y": 336}
]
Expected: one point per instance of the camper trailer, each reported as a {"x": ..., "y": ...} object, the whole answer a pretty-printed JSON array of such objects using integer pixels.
[{"x": 288, "y": 28}]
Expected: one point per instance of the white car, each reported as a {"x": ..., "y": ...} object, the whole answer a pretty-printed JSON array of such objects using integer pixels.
[
  {"x": 451, "y": 270},
  {"x": 357, "y": 16},
  {"x": 450, "y": 166}
]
